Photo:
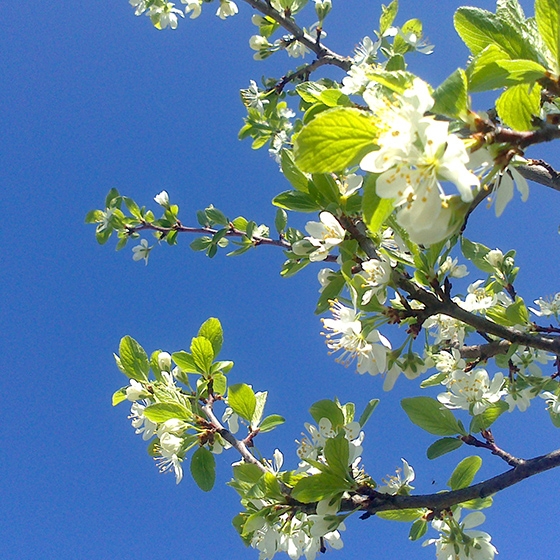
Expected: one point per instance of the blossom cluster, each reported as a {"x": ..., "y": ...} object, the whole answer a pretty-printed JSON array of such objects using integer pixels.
[{"x": 164, "y": 14}]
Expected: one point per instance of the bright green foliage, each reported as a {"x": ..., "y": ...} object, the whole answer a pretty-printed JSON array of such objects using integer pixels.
[
  {"x": 464, "y": 472},
  {"x": 241, "y": 398},
  {"x": 334, "y": 140},
  {"x": 432, "y": 416},
  {"x": 203, "y": 469}
]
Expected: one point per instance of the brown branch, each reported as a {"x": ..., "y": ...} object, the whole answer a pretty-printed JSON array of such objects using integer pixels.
[
  {"x": 232, "y": 232},
  {"x": 238, "y": 445},
  {"x": 483, "y": 352},
  {"x": 446, "y": 306},
  {"x": 372, "y": 502},
  {"x": 540, "y": 172},
  {"x": 491, "y": 446}
]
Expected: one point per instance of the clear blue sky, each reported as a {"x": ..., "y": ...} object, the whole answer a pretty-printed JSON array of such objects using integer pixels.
[{"x": 94, "y": 98}]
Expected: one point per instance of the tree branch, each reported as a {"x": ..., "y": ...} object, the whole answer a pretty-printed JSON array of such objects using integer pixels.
[
  {"x": 322, "y": 52},
  {"x": 240, "y": 446},
  {"x": 446, "y": 306},
  {"x": 369, "y": 500}
]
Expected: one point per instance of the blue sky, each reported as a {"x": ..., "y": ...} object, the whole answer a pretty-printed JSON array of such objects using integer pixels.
[{"x": 95, "y": 98}]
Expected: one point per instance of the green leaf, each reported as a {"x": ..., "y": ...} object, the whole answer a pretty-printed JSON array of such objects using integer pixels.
[
  {"x": 281, "y": 220},
  {"x": 336, "y": 453},
  {"x": 443, "y": 446},
  {"x": 484, "y": 420},
  {"x": 432, "y": 416},
  {"x": 519, "y": 105},
  {"x": 203, "y": 469},
  {"x": 547, "y": 15},
  {"x": 327, "y": 187},
  {"x": 451, "y": 97},
  {"x": 554, "y": 417},
  {"x": 318, "y": 487},
  {"x": 296, "y": 201},
  {"x": 202, "y": 353},
  {"x": 464, "y": 472},
  {"x": 292, "y": 173},
  {"x": 185, "y": 361},
  {"x": 376, "y": 209},
  {"x": 219, "y": 383},
  {"x": 406, "y": 515},
  {"x": 216, "y": 216},
  {"x": 119, "y": 396},
  {"x": 388, "y": 15},
  {"x": 211, "y": 329},
  {"x": 270, "y": 422},
  {"x": 133, "y": 359},
  {"x": 480, "y": 28},
  {"x": 161, "y": 412},
  {"x": 241, "y": 398},
  {"x": 398, "y": 81},
  {"x": 517, "y": 312},
  {"x": 110, "y": 199},
  {"x": 418, "y": 529},
  {"x": 493, "y": 69},
  {"x": 334, "y": 140},
  {"x": 368, "y": 411},
  {"x": 327, "y": 409},
  {"x": 478, "y": 503},
  {"x": 330, "y": 292},
  {"x": 201, "y": 243},
  {"x": 413, "y": 26}
]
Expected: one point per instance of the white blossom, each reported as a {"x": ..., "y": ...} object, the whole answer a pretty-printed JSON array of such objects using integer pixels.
[
  {"x": 323, "y": 236},
  {"x": 164, "y": 15},
  {"x": 504, "y": 188},
  {"x": 135, "y": 391},
  {"x": 370, "y": 351},
  {"x": 548, "y": 306},
  {"x": 141, "y": 251},
  {"x": 162, "y": 199},
  {"x": 141, "y": 424},
  {"x": 377, "y": 274},
  {"x": 194, "y": 6},
  {"x": 552, "y": 401},
  {"x": 227, "y": 8},
  {"x": 478, "y": 298},
  {"x": 450, "y": 268},
  {"x": 400, "y": 482},
  {"x": 472, "y": 391},
  {"x": 170, "y": 445},
  {"x": 458, "y": 541}
]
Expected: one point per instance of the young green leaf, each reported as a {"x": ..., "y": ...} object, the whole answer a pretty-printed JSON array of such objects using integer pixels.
[
  {"x": 388, "y": 15},
  {"x": 211, "y": 329},
  {"x": 443, "y": 446},
  {"x": 203, "y": 469},
  {"x": 464, "y": 472},
  {"x": 406, "y": 515},
  {"x": 327, "y": 409},
  {"x": 368, "y": 411},
  {"x": 432, "y": 416},
  {"x": 336, "y": 453},
  {"x": 296, "y": 201},
  {"x": 317, "y": 487},
  {"x": 185, "y": 361},
  {"x": 202, "y": 353},
  {"x": 519, "y": 105},
  {"x": 418, "y": 529},
  {"x": 451, "y": 97},
  {"x": 161, "y": 412},
  {"x": 270, "y": 422},
  {"x": 376, "y": 209},
  {"x": 547, "y": 15},
  {"x": 241, "y": 398},
  {"x": 334, "y": 140},
  {"x": 133, "y": 359},
  {"x": 119, "y": 396}
]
